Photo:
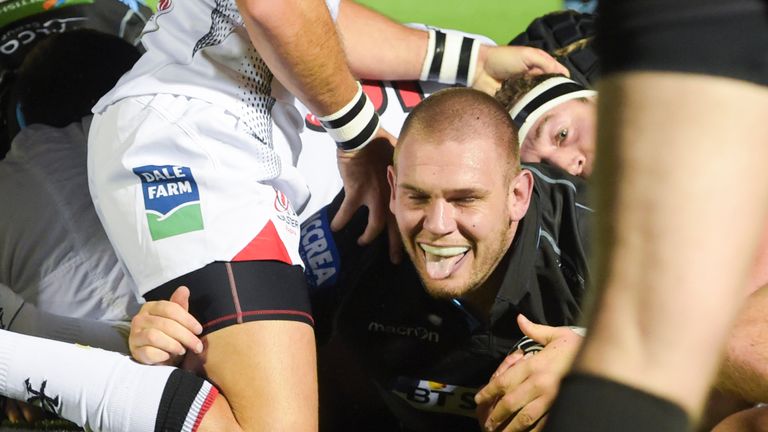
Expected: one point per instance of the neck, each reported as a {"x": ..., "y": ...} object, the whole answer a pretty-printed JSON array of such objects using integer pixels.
[{"x": 480, "y": 300}]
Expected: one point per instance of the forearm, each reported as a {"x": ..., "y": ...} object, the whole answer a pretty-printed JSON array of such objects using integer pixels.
[
  {"x": 378, "y": 47},
  {"x": 299, "y": 44}
]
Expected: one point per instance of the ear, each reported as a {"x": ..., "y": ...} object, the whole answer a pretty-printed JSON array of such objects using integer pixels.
[
  {"x": 392, "y": 180},
  {"x": 520, "y": 191}
]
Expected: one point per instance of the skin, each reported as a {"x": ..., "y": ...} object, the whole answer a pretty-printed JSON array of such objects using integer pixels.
[
  {"x": 480, "y": 208},
  {"x": 699, "y": 272},
  {"x": 520, "y": 392},
  {"x": 454, "y": 193},
  {"x": 565, "y": 137},
  {"x": 264, "y": 386}
]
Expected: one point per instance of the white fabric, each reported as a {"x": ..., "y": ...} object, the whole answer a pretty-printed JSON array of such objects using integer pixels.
[
  {"x": 21, "y": 317},
  {"x": 317, "y": 160},
  {"x": 538, "y": 112},
  {"x": 53, "y": 251},
  {"x": 179, "y": 183},
  {"x": 101, "y": 389}
]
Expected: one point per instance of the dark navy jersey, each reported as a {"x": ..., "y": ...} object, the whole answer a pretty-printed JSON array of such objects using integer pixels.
[{"x": 426, "y": 358}]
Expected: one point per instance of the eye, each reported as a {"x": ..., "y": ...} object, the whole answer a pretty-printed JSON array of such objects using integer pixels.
[
  {"x": 418, "y": 198},
  {"x": 562, "y": 134},
  {"x": 465, "y": 200}
]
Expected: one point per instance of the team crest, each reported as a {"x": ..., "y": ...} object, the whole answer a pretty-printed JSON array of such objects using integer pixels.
[
  {"x": 164, "y": 6},
  {"x": 171, "y": 200}
]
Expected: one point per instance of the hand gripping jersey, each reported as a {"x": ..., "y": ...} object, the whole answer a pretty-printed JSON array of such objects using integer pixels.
[{"x": 426, "y": 358}]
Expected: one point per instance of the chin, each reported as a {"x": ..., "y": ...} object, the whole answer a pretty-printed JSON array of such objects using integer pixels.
[{"x": 445, "y": 288}]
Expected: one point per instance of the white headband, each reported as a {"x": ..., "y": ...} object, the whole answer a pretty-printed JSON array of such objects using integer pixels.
[{"x": 543, "y": 98}]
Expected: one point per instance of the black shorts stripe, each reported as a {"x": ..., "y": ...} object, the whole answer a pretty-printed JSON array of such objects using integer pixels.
[{"x": 265, "y": 290}]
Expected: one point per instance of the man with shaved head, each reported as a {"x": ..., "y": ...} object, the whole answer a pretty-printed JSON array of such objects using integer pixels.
[{"x": 406, "y": 346}]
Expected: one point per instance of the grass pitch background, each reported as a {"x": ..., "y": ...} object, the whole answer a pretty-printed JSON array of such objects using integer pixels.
[{"x": 501, "y": 20}]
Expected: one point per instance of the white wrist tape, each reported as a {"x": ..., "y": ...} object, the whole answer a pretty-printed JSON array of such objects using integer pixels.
[
  {"x": 451, "y": 58},
  {"x": 543, "y": 98},
  {"x": 354, "y": 125}
]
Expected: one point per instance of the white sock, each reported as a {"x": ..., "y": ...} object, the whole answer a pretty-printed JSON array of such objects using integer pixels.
[
  {"x": 100, "y": 390},
  {"x": 21, "y": 317}
]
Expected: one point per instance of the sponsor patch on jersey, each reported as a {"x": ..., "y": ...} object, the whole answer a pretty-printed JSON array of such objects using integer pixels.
[
  {"x": 318, "y": 251},
  {"x": 171, "y": 200},
  {"x": 436, "y": 397}
]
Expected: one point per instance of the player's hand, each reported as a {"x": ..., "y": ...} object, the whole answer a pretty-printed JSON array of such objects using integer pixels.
[
  {"x": 19, "y": 412},
  {"x": 497, "y": 63},
  {"x": 364, "y": 174},
  {"x": 520, "y": 393},
  {"x": 163, "y": 331}
]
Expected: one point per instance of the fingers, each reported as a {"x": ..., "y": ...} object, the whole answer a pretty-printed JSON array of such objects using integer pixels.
[
  {"x": 377, "y": 221},
  {"x": 163, "y": 330},
  {"x": 344, "y": 214},
  {"x": 540, "y": 333},
  {"x": 539, "y": 61},
  {"x": 12, "y": 411},
  {"x": 31, "y": 413},
  {"x": 181, "y": 297},
  {"x": 365, "y": 184},
  {"x": 530, "y": 418},
  {"x": 508, "y": 362},
  {"x": 503, "y": 383},
  {"x": 522, "y": 406}
]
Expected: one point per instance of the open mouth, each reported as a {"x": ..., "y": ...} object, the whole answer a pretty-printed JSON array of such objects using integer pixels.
[{"x": 442, "y": 261}]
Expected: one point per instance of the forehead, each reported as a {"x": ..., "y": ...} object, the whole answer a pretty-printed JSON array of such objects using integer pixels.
[
  {"x": 572, "y": 109},
  {"x": 450, "y": 160}
]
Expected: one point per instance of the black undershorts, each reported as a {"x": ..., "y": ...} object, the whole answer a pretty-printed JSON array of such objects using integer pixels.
[
  {"x": 725, "y": 38},
  {"x": 227, "y": 293}
]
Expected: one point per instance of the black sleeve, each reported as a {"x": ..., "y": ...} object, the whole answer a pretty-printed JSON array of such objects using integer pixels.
[
  {"x": 334, "y": 261},
  {"x": 564, "y": 218}
]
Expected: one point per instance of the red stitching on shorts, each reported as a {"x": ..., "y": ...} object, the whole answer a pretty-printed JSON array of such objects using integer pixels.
[{"x": 260, "y": 312}]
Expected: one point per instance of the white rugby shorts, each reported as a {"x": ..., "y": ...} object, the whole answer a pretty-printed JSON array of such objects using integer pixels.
[{"x": 179, "y": 183}]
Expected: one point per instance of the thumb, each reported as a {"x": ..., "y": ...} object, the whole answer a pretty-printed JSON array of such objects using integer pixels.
[
  {"x": 540, "y": 333},
  {"x": 181, "y": 297}
]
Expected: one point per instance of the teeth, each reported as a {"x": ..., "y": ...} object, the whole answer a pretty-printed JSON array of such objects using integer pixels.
[{"x": 444, "y": 251}]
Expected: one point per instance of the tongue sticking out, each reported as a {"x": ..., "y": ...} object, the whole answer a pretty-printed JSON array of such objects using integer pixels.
[
  {"x": 441, "y": 267},
  {"x": 441, "y": 261}
]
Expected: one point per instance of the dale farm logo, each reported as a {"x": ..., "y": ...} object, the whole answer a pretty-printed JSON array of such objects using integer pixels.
[{"x": 171, "y": 200}]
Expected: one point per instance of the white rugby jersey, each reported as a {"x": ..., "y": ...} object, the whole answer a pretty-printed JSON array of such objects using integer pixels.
[{"x": 201, "y": 49}]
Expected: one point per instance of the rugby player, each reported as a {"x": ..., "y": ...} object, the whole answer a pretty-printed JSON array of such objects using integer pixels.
[
  {"x": 192, "y": 189},
  {"x": 486, "y": 241},
  {"x": 682, "y": 94},
  {"x": 556, "y": 117}
]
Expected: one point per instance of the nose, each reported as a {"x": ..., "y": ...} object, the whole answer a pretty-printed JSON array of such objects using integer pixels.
[
  {"x": 439, "y": 218},
  {"x": 576, "y": 167}
]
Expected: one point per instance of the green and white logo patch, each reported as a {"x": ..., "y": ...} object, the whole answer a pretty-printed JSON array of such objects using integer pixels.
[{"x": 171, "y": 200}]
